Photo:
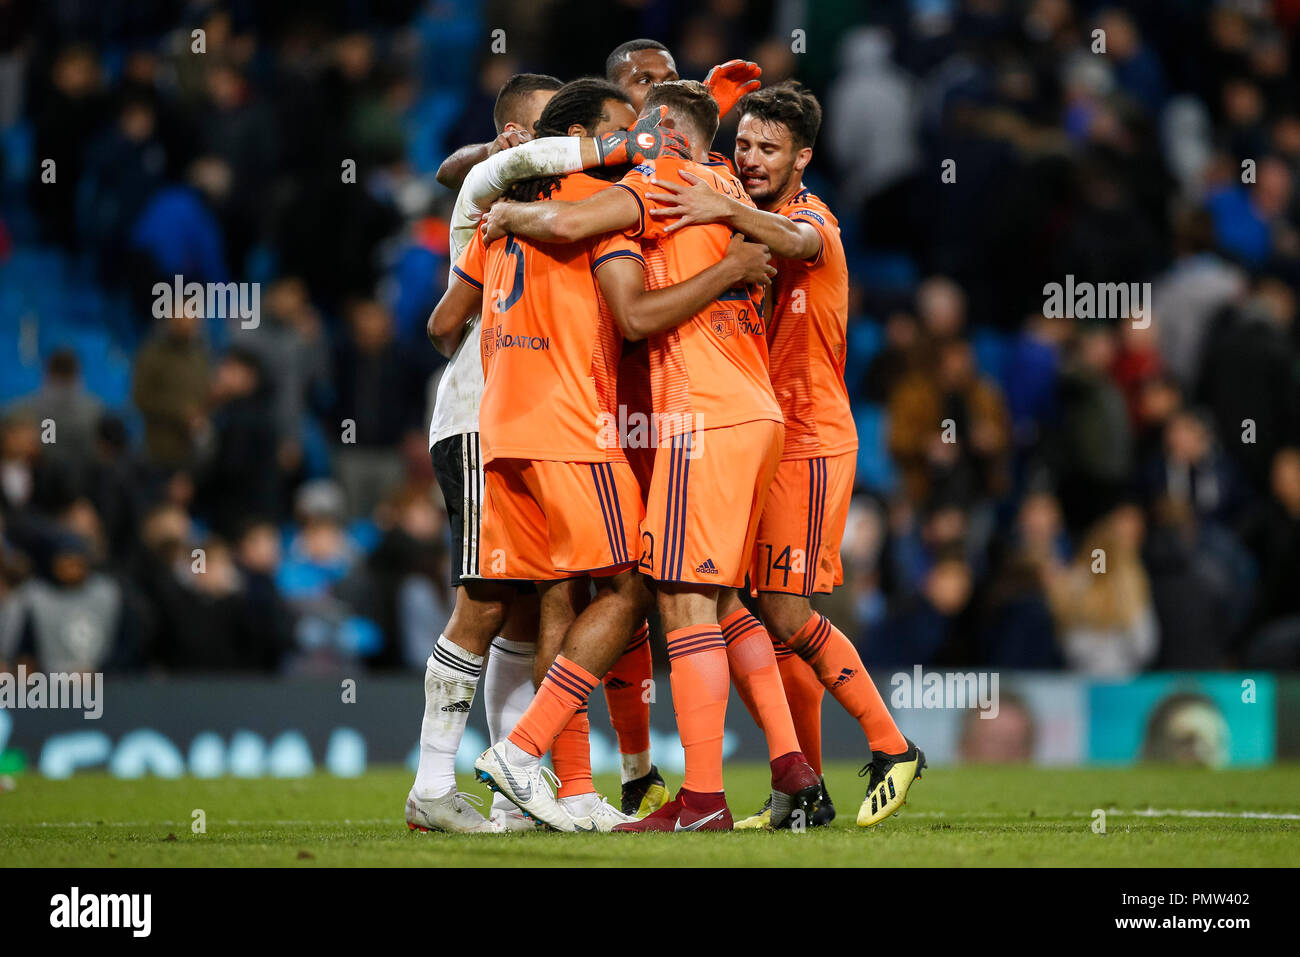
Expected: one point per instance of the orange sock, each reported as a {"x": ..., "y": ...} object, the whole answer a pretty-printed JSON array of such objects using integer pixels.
[
  {"x": 742, "y": 690},
  {"x": 803, "y": 692},
  {"x": 753, "y": 668},
  {"x": 562, "y": 693},
  {"x": 840, "y": 670},
  {"x": 625, "y": 688},
  {"x": 571, "y": 755},
  {"x": 699, "y": 681}
]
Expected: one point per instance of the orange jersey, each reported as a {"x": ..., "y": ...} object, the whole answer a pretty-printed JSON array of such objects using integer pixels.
[
  {"x": 718, "y": 159},
  {"x": 710, "y": 371},
  {"x": 550, "y": 345},
  {"x": 808, "y": 339}
]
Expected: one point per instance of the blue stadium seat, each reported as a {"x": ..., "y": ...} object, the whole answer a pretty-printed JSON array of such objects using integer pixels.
[
  {"x": 39, "y": 283},
  {"x": 866, "y": 338},
  {"x": 16, "y": 377},
  {"x": 105, "y": 367},
  {"x": 315, "y": 449},
  {"x": 450, "y": 34},
  {"x": 427, "y": 126},
  {"x": 11, "y": 306},
  {"x": 417, "y": 276},
  {"x": 881, "y": 270},
  {"x": 261, "y": 264},
  {"x": 365, "y": 534},
  {"x": 17, "y": 143},
  {"x": 991, "y": 348},
  {"x": 875, "y": 468},
  {"x": 36, "y": 267}
]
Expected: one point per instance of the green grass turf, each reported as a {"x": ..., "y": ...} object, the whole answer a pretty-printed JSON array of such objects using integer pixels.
[{"x": 983, "y": 816}]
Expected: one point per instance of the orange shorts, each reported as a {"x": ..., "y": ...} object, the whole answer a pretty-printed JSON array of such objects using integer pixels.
[
  {"x": 799, "y": 535},
  {"x": 548, "y": 520},
  {"x": 705, "y": 500}
]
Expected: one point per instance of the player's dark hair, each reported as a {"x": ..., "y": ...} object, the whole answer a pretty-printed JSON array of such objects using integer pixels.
[
  {"x": 688, "y": 101},
  {"x": 788, "y": 103},
  {"x": 581, "y": 102},
  {"x": 514, "y": 90},
  {"x": 617, "y": 59}
]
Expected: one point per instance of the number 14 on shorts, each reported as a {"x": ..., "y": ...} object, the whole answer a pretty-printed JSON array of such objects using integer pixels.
[{"x": 788, "y": 561}]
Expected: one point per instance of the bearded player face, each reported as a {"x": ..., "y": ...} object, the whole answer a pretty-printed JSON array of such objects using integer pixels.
[{"x": 767, "y": 158}]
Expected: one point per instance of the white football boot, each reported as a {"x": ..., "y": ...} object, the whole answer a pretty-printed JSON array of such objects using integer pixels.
[
  {"x": 531, "y": 789},
  {"x": 451, "y": 813},
  {"x": 591, "y": 812},
  {"x": 513, "y": 819}
]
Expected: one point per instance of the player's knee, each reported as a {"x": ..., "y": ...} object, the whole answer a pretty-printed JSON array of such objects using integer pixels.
[
  {"x": 783, "y": 614},
  {"x": 633, "y": 589},
  {"x": 630, "y": 588},
  {"x": 729, "y": 602},
  {"x": 562, "y": 601},
  {"x": 479, "y": 610},
  {"x": 522, "y": 619},
  {"x": 682, "y": 604}
]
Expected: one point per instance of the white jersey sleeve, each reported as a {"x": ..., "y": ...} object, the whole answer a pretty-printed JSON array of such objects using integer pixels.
[{"x": 549, "y": 156}]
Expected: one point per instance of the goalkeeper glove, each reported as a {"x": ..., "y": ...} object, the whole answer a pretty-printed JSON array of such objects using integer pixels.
[
  {"x": 729, "y": 81},
  {"x": 644, "y": 141}
]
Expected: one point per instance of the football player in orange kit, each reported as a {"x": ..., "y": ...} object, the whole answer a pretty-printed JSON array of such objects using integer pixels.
[
  {"x": 798, "y": 548},
  {"x": 720, "y": 437},
  {"x": 561, "y": 506},
  {"x": 635, "y": 67}
]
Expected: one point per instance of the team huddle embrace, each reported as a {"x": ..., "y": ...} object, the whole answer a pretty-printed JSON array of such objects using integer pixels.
[{"x": 644, "y": 410}]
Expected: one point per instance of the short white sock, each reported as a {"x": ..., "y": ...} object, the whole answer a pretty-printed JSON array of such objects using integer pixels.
[
  {"x": 507, "y": 692},
  {"x": 518, "y": 756},
  {"x": 580, "y": 805},
  {"x": 635, "y": 766},
  {"x": 450, "y": 680}
]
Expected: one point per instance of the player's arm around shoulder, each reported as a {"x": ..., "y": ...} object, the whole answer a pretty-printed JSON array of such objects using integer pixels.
[
  {"x": 787, "y": 238},
  {"x": 564, "y": 221},
  {"x": 456, "y": 167},
  {"x": 548, "y": 156},
  {"x": 699, "y": 202}
]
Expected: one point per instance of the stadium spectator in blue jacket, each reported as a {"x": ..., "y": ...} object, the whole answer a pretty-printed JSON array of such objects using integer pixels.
[{"x": 177, "y": 231}]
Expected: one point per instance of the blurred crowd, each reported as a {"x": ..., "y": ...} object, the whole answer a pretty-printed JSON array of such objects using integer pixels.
[{"x": 1105, "y": 495}]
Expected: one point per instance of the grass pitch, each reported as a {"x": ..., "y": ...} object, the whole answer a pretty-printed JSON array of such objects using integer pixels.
[{"x": 960, "y": 816}]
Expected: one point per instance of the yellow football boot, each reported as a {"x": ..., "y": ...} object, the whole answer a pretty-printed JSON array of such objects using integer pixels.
[
  {"x": 760, "y": 820},
  {"x": 645, "y": 795},
  {"x": 889, "y": 777}
]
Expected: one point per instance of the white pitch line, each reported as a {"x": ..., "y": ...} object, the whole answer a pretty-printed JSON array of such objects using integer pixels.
[
  {"x": 1175, "y": 812},
  {"x": 236, "y": 823},
  {"x": 1114, "y": 812},
  {"x": 1117, "y": 813}
]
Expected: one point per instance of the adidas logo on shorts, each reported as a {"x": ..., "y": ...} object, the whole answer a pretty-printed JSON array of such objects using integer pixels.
[{"x": 706, "y": 567}]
